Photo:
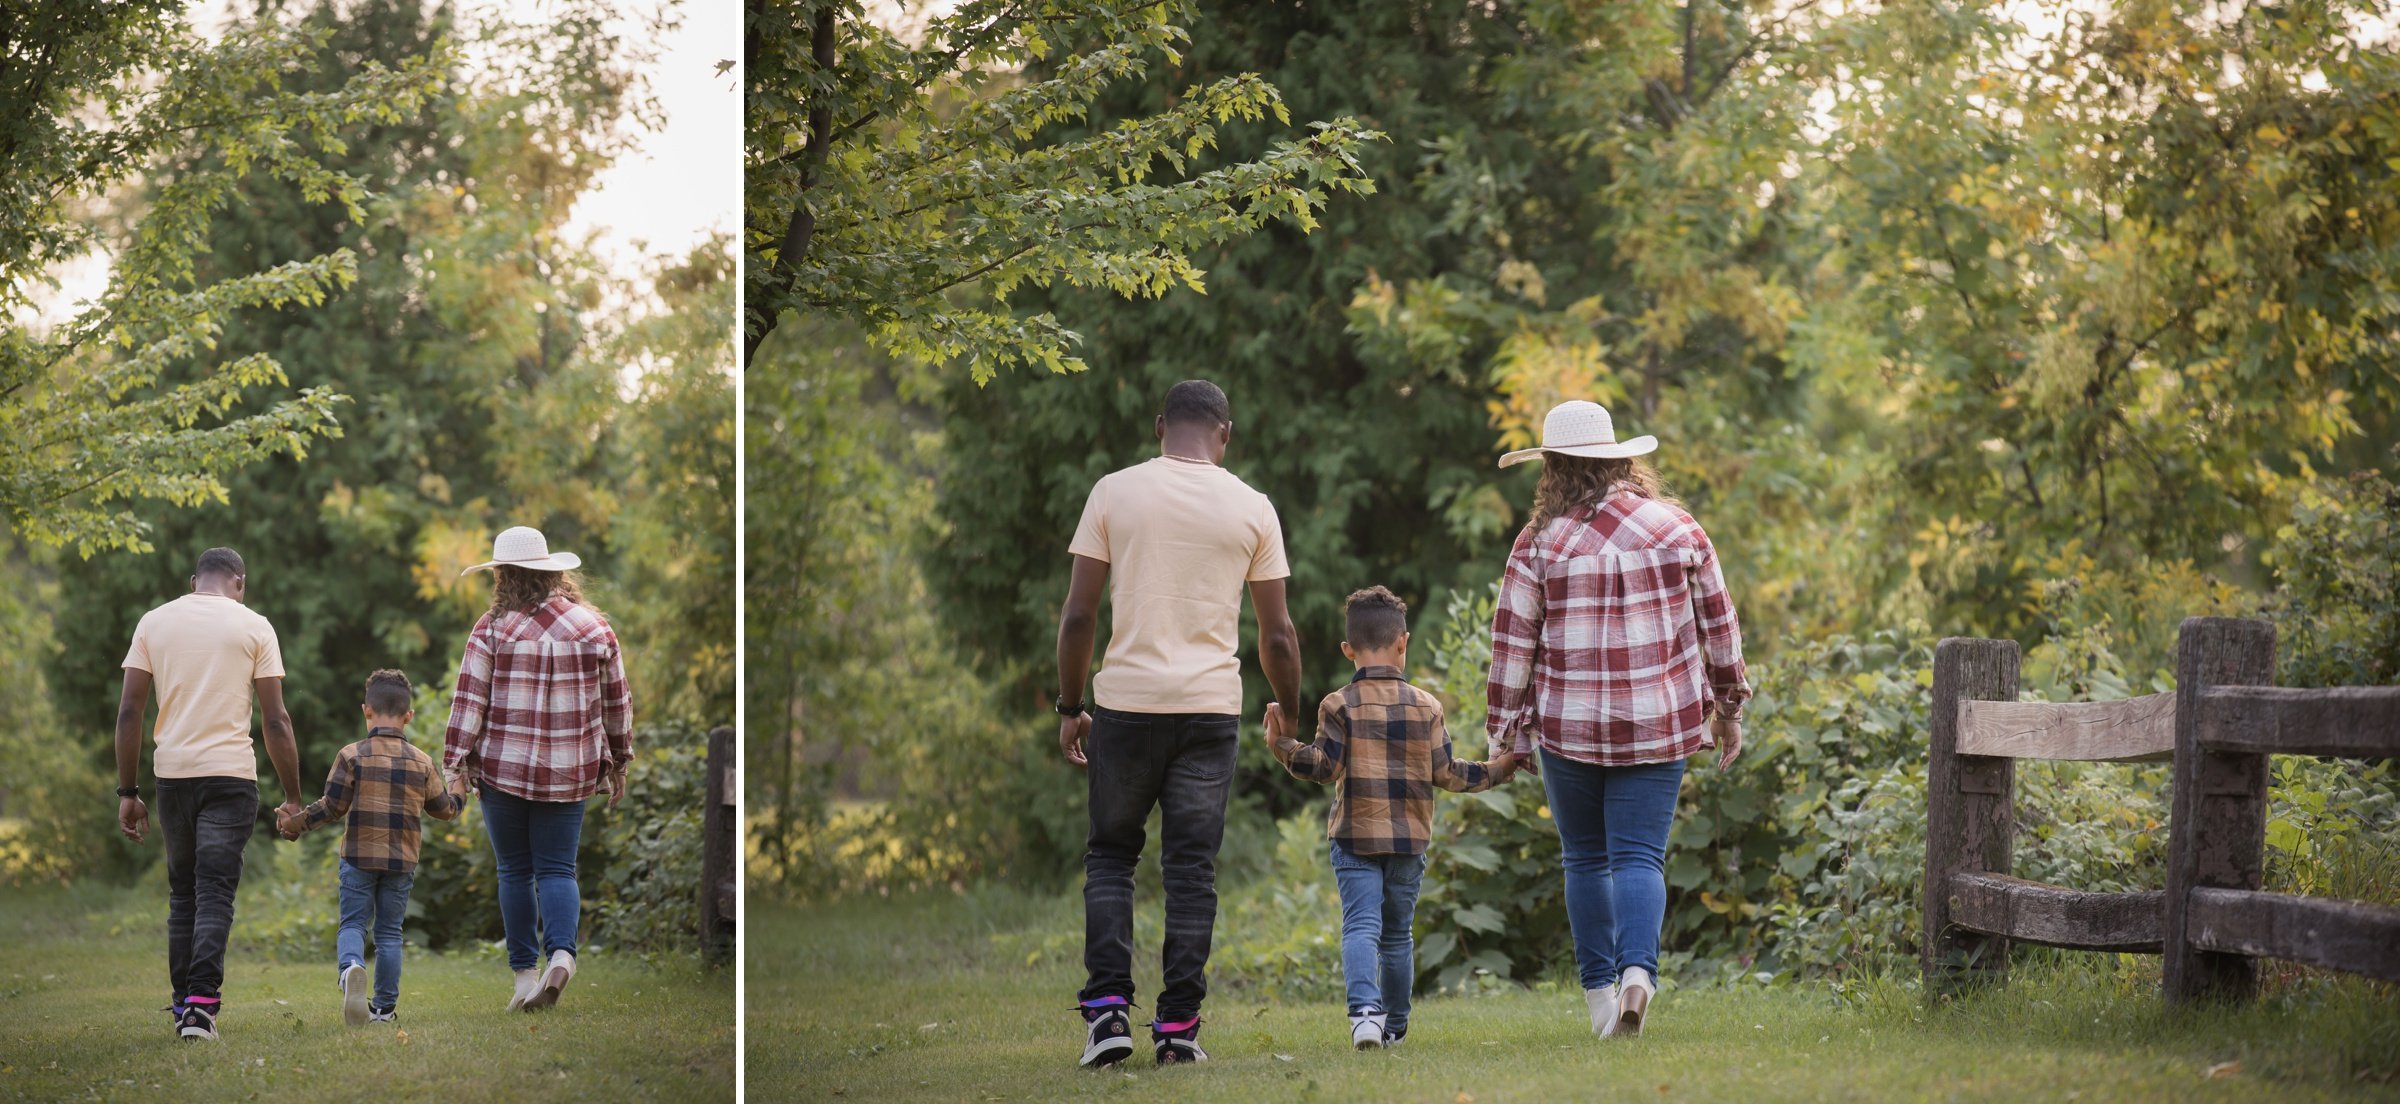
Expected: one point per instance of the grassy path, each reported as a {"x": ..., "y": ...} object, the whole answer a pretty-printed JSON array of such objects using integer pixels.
[
  {"x": 83, "y": 971},
  {"x": 935, "y": 1000}
]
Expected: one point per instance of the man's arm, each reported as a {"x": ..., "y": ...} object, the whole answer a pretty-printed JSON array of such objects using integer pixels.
[
  {"x": 133, "y": 817},
  {"x": 1078, "y": 623},
  {"x": 283, "y": 748},
  {"x": 1278, "y": 645}
]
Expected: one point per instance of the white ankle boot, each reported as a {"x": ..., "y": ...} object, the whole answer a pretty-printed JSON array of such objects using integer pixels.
[
  {"x": 1603, "y": 1005},
  {"x": 529, "y": 980},
  {"x": 1633, "y": 999},
  {"x": 554, "y": 978}
]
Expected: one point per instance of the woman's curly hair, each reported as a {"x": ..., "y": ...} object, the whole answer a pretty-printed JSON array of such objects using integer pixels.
[
  {"x": 1571, "y": 481},
  {"x": 522, "y": 590}
]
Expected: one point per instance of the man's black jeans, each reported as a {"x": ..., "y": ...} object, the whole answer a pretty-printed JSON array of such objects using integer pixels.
[
  {"x": 206, "y": 822},
  {"x": 1183, "y": 764}
]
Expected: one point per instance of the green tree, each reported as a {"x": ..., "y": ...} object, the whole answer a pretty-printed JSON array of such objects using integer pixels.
[
  {"x": 882, "y": 175},
  {"x": 98, "y": 96}
]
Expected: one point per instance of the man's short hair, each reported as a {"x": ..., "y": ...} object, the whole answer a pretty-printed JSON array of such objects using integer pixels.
[
  {"x": 1197, "y": 402},
  {"x": 219, "y": 561},
  {"x": 1374, "y": 618},
  {"x": 389, "y": 694}
]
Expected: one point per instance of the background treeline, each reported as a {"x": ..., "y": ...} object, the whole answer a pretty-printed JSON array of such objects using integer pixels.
[
  {"x": 485, "y": 365},
  {"x": 2030, "y": 321}
]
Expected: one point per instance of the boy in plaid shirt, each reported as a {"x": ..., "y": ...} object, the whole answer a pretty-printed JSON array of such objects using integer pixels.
[
  {"x": 378, "y": 786},
  {"x": 1381, "y": 743}
]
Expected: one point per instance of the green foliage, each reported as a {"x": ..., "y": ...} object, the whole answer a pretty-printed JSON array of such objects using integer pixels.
[
  {"x": 134, "y": 398},
  {"x": 2337, "y": 592},
  {"x": 882, "y": 173}
]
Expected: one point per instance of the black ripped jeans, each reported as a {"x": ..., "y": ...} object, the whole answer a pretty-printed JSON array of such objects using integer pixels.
[
  {"x": 1182, "y": 763},
  {"x": 205, "y": 822}
]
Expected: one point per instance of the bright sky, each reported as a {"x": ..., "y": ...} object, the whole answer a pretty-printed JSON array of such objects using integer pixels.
[{"x": 682, "y": 184}]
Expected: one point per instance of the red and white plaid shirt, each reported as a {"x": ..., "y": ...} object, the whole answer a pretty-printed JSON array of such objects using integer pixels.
[
  {"x": 541, "y": 708},
  {"x": 1614, "y": 641}
]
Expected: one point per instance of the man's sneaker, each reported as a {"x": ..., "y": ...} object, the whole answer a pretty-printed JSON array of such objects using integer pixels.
[
  {"x": 1108, "y": 1036},
  {"x": 1178, "y": 1046},
  {"x": 354, "y": 995},
  {"x": 529, "y": 982},
  {"x": 1366, "y": 1028},
  {"x": 196, "y": 1023},
  {"x": 385, "y": 1015},
  {"x": 554, "y": 981}
]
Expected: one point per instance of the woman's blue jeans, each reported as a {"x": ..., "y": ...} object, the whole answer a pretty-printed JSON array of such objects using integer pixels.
[
  {"x": 1379, "y": 908},
  {"x": 533, "y": 843},
  {"x": 1612, "y": 827},
  {"x": 377, "y": 901}
]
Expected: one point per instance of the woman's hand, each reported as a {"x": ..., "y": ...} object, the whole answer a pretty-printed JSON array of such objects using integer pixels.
[{"x": 1728, "y": 736}]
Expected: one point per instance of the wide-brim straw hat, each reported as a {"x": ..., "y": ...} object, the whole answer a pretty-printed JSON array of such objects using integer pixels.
[
  {"x": 526, "y": 547},
  {"x": 1580, "y": 428}
]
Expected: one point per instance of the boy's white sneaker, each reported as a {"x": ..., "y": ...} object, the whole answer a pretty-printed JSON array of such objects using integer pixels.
[
  {"x": 529, "y": 981},
  {"x": 354, "y": 995},
  {"x": 1366, "y": 1030},
  {"x": 554, "y": 981},
  {"x": 1603, "y": 1005}
]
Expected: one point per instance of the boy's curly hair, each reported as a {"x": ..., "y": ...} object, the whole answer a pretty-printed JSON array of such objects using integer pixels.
[
  {"x": 389, "y": 694},
  {"x": 1373, "y": 619}
]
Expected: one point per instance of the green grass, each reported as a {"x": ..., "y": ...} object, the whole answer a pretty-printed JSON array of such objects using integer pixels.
[
  {"x": 82, "y": 973},
  {"x": 942, "y": 999}
]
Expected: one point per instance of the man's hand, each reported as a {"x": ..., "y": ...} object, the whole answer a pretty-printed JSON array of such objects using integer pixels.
[
  {"x": 1728, "y": 737},
  {"x": 1071, "y": 733},
  {"x": 133, "y": 818},
  {"x": 285, "y": 814}
]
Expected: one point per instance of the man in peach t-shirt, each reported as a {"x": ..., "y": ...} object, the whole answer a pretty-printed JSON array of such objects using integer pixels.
[
  {"x": 1175, "y": 540},
  {"x": 205, "y": 654}
]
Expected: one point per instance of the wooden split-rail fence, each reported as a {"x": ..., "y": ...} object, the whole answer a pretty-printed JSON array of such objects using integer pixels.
[{"x": 2218, "y": 726}]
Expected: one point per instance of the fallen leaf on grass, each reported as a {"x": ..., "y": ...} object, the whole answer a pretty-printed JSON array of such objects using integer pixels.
[
  {"x": 282, "y": 1002},
  {"x": 1283, "y": 1057},
  {"x": 929, "y": 1027},
  {"x": 403, "y": 1037},
  {"x": 1464, "y": 1097},
  {"x": 2224, "y": 1069}
]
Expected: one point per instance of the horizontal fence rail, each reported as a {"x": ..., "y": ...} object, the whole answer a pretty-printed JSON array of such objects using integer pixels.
[
  {"x": 2219, "y": 727},
  {"x": 2031, "y": 912},
  {"x": 2340, "y": 935},
  {"x": 2350, "y": 721},
  {"x": 2103, "y": 731}
]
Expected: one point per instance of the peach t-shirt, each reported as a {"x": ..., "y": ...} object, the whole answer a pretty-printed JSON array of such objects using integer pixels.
[
  {"x": 202, "y": 652},
  {"x": 1180, "y": 538}
]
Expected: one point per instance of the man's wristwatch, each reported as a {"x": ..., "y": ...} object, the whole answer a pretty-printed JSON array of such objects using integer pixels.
[
  {"x": 129, "y": 791},
  {"x": 1066, "y": 708}
]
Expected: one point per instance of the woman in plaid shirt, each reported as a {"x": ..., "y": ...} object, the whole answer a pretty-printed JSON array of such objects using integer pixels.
[
  {"x": 1616, "y": 654},
  {"x": 540, "y": 719}
]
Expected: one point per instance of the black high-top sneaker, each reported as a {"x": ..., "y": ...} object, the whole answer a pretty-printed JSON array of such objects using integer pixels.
[
  {"x": 1179, "y": 1045},
  {"x": 1109, "y": 1038},
  {"x": 198, "y": 1022}
]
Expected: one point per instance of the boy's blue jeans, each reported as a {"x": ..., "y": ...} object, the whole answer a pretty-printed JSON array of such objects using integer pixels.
[
  {"x": 534, "y": 843},
  {"x": 1612, "y": 828},
  {"x": 1379, "y": 946},
  {"x": 380, "y": 899}
]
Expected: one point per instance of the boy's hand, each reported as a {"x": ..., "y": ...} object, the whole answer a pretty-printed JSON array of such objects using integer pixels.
[{"x": 1503, "y": 767}]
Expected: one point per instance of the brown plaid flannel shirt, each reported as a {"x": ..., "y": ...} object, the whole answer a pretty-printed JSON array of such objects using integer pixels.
[
  {"x": 380, "y": 784},
  {"x": 1381, "y": 742}
]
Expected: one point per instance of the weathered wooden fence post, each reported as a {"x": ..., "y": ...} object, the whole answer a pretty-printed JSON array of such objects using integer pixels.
[
  {"x": 2219, "y": 824},
  {"x": 1968, "y": 814},
  {"x": 720, "y": 846}
]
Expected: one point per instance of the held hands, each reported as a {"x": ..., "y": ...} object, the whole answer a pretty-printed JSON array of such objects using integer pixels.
[
  {"x": 133, "y": 818},
  {"x": 1278, "y": 724},
  {"x": 288, "y": 817}
]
